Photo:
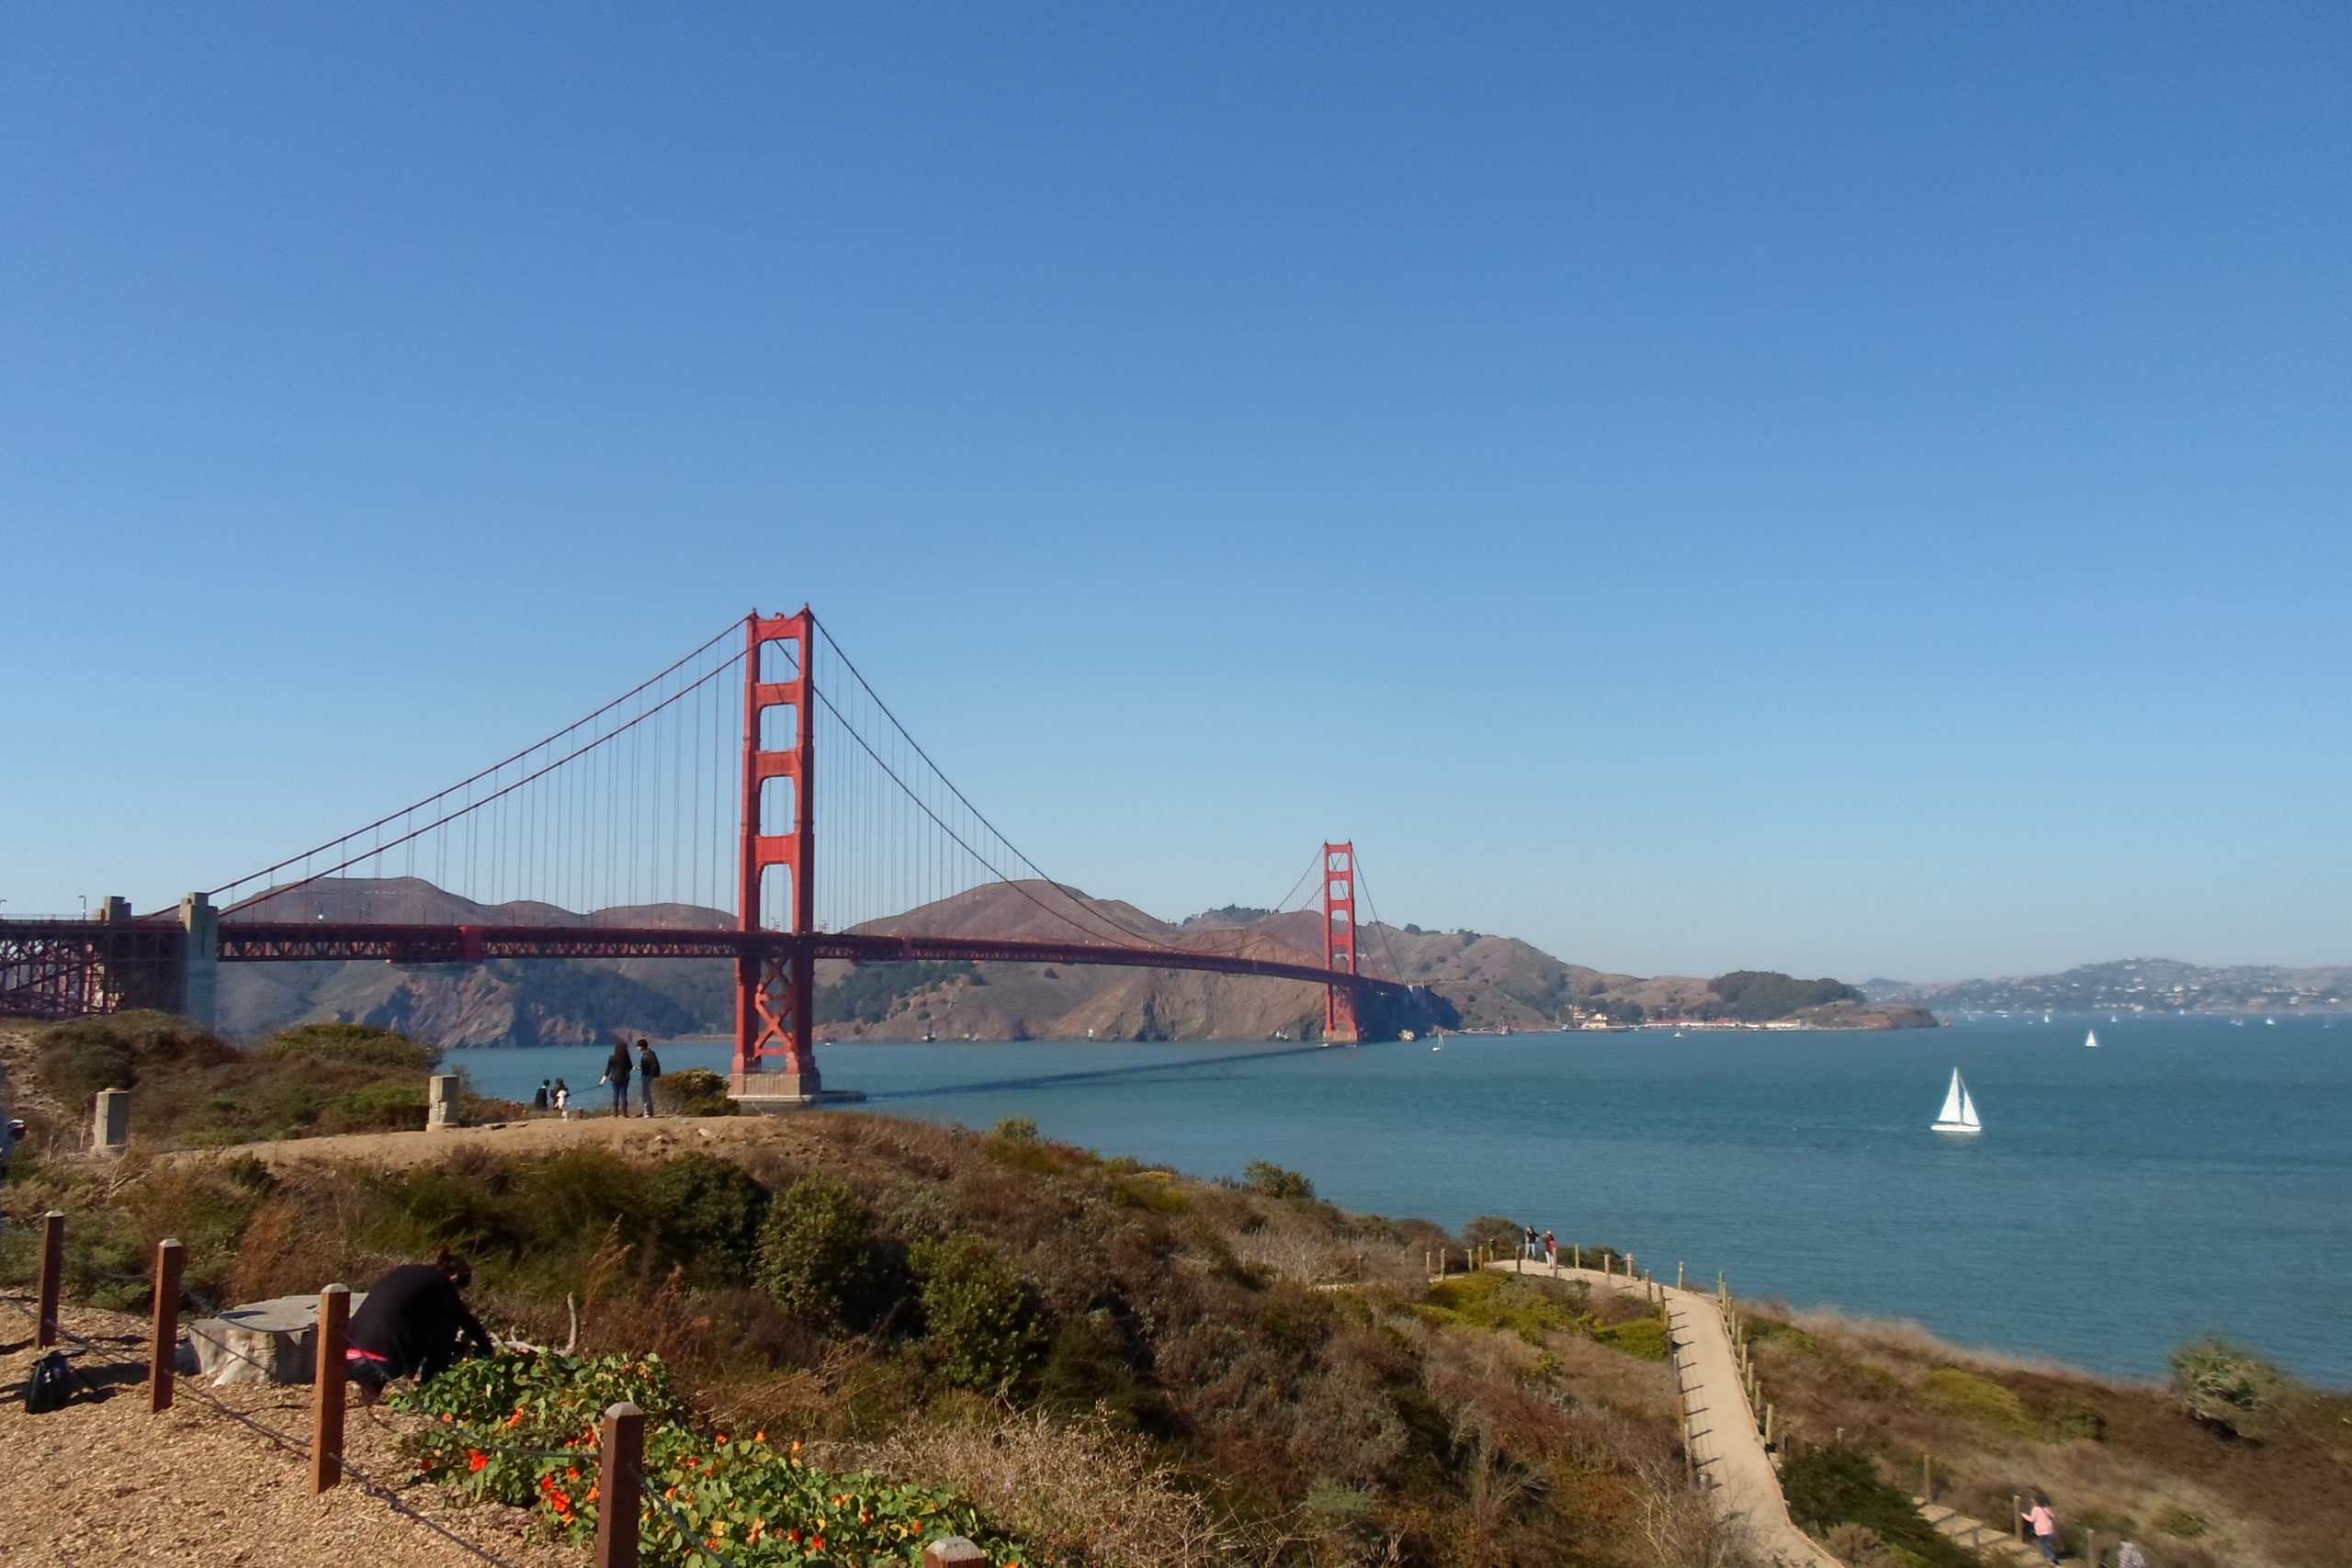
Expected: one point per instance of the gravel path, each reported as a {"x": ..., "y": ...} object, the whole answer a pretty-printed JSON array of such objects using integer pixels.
[{"x": 106, "y": 1483}]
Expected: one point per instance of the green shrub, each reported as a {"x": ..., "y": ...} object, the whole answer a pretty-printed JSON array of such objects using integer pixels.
[
  {"x": 1837, "y": 1485},
  {"x": 1642, "y": 1336},
  {"x": 83, "y": 1056},
  {"x": 389, "y": 1107},
  {"x": 1971, "y": 1397},
  {"x": 2228, "y": 1386},
  {"x": 1495, "y": 1233},
  {"x": 2179, "y": 1523},
  {"x": 815, "y": 1252},
  {"x": 1274, "y": 1181},
  {"x": 1490, "y": 1300},
  {"x": 356, "y": 1042},
  {"x": 708, "y": 1212},
  {"x": 977, "y": 1313},
  {"x": 697, "y": 1091}
]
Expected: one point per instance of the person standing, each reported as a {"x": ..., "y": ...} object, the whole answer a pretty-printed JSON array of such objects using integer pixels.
[
  {"x": 617, "y": 1068},
  {"x": 2045, "y": 1527},
  {"x": 540, "y": 1100},
  {"x": 1551, "y": 1249},
  {"x": 561, "y": 1100},
  {"x": 1527, "y": 1244},
  {"x": 649, "y": 1067}
]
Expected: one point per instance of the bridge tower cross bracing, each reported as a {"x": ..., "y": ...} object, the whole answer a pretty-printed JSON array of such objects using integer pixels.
[
  {"x": 1340, "y": 941},
  {"x": 775, "y": 981}
]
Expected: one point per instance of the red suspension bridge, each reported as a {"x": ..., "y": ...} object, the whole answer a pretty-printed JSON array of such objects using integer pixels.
[{"x": 680, "y": 820}]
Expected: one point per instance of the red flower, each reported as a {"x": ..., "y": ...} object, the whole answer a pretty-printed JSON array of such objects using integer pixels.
[{"x": 476, "y": 1459}]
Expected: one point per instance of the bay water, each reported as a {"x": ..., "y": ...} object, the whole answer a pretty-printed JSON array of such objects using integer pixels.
[{"x": 2190, "y": 1175}]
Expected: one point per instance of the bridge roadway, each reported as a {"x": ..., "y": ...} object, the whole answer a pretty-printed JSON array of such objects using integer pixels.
[{"x": 252, "y": 941}]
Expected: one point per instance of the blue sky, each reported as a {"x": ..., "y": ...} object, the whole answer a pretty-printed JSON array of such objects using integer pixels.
[{"x": 1842, "y": 488}]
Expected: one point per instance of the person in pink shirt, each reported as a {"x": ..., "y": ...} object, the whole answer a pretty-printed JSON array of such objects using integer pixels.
[{"x": 2045, "y": 1528}]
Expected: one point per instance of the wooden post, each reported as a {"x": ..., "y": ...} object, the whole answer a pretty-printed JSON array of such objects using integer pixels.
[
  {"x": 616, "y": 1504},
  {"x": 326, "y": 1391},
  {"x": 1927, "y": 1479},
  {"x": 53, "y": 1278},
  {"x": 164, "y": 1339},
  {"x": 2017, "y": 1518}
]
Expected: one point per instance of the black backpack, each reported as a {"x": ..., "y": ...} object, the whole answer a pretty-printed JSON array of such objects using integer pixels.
[{"x": 50, "y": 1386}]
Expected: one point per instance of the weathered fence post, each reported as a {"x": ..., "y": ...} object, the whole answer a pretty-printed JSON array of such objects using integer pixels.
[
  {"x": 1927, "y": 1479},
  {"x": 164, "y": 1340},
  {"x": 1677, "y": 1276},
  {"x": 954, "y": 1552},
  {"x": 326, "y": 1391},
  {"x": 53, "y": 1278},
  {"x": 616, "y": 1505},
  {"x": 2017, "y": 1518}
]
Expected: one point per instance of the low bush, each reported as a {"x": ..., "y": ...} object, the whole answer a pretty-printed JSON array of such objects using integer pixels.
[
  {"x": 349, "y": 1042},
  {"x": 1837, "y": 1485},
  {"x": 707, "y": 1213},
  {"x": 1642, "y": 1336},
  {"x": 695, "y": 1092},
  {"x": 1960, "y": 1392},
  {"x": 1261, "y": 1176}
]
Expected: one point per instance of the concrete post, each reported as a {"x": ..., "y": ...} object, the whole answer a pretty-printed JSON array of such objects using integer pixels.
[
  {"x": 441, "y": 1103},
  {"x": 201, "y": 962},
  {"x": 110, "y": 1128},
  {"x": 164, "y": 1339},
  {"x": 326, "y": 1391},
  {"x": 616, "y": 1507}
]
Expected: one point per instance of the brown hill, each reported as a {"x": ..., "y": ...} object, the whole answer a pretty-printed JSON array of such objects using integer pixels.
[{"x": 1471, "y": 980}]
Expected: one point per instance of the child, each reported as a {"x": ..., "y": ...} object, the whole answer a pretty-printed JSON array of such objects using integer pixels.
[{"x": 564, "y": 1100}]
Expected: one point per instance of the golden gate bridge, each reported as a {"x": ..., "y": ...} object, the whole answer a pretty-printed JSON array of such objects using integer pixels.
[{"x": 684, "y": 818}]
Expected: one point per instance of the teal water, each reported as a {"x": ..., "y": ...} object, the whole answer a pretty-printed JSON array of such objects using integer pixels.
[{"x": 2187, "y": 1176}]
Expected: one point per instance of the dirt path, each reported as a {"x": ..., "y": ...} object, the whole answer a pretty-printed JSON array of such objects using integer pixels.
[
  {"x": 1723, "y": 1442},
  {"x": 106, "y": 1483},
  {"x": 633, "y": 1135}
]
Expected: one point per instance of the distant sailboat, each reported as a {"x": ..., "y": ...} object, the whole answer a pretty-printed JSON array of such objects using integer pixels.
[
  {"x": 1959, "y": 1111},
  {"x": 2091, "y": 1040}
]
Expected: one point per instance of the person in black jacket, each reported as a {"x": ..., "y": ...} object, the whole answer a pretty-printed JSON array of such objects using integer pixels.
[
  {"x": 649, "y": 1067},
  {"x": 409, "y": 1325},
  {"x": 617, "y": 1070}
]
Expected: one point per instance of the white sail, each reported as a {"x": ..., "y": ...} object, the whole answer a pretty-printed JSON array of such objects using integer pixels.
[
  {"x": 1959, "y": 1114},
  {"x": 2091, "y": 1040}
]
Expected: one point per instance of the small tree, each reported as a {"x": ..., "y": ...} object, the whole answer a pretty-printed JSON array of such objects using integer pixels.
[
  {"x": 1276, "y": 1182},
  {"x": 976, "y": 1313},
  {"x": 817, "y": 1251},
  {"x": 2228, "y": 1386}
]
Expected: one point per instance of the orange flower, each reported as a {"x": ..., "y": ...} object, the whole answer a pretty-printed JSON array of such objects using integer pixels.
[
  {"x": 476, "y": 1459},
  {"x": 572, "y": 1473},
  {"x": 818, "y": 1544},
  {"x": 759, "y": 1436},
  {"x": 722, "y": 1436}
]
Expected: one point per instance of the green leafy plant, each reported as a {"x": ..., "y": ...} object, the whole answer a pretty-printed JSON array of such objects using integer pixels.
[
  {"x": 695, "y": 1091},
  {"x": 816, "y": 1251},
  {"x": 977, "y": 1313},
  {"x": 1274, "y": 1181},
  {"x": 1979, "y": 1399},
  {"x": 525, "y": 1431},
  {"x": 708, "y": 1212}
]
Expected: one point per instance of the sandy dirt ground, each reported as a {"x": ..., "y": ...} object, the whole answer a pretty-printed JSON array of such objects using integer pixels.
[
  {"x": 647, "y": 1136},
  {"x": 104, "y": 1482}
]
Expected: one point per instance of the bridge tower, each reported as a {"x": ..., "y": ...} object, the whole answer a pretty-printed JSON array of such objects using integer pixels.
[
  {"x": 775, "y": 981},
  {"x": 1340, "y": 941}
]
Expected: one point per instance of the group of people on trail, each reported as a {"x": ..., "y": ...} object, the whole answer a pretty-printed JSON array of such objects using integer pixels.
[
  {"x": 1540, "y": 1249},
  {"x": 555, "y": 1095}
]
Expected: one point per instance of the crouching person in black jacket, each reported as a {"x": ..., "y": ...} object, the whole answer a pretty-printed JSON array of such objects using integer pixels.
[{"x": 411, "y": 1324}]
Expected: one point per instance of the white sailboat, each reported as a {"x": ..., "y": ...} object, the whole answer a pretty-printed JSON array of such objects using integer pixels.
[
  {"x": 2090, "y": 1040},
  {"x": 1959, "y": 1111}
]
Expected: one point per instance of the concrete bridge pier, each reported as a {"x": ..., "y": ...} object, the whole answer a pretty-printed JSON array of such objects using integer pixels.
[{"x": 201, "y": 962}]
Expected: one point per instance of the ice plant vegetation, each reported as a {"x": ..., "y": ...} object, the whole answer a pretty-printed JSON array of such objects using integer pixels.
[{"x": 523, "y": 1430}]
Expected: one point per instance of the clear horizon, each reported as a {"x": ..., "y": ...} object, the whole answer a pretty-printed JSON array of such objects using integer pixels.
[{"x": 1849, "y": 492}]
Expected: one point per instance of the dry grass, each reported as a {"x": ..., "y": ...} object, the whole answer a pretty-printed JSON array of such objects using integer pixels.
[{"x": 2116, "y": 1457}]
